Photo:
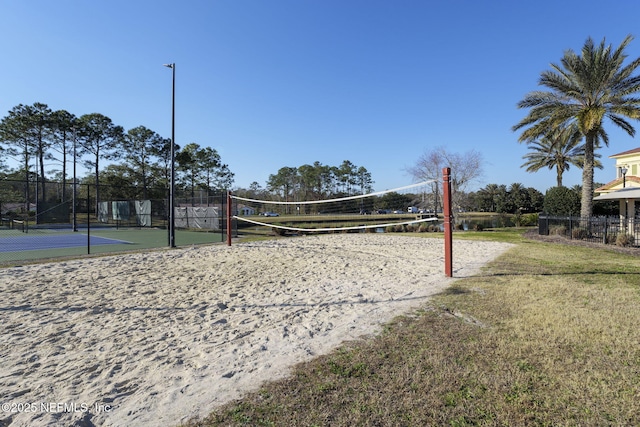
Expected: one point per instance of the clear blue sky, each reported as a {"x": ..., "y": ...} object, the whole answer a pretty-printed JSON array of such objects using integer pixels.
[{"x": 273, "y": 83}]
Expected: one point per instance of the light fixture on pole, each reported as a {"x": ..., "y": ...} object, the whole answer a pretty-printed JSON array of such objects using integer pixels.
[
  {"x": 172, "y": 224},
  {"x": 624, "y": 170}
]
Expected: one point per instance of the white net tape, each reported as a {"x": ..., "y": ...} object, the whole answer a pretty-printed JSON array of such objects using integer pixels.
[
  {"x": 358, "y": 227},
  {"x": 341, "y": 199}
]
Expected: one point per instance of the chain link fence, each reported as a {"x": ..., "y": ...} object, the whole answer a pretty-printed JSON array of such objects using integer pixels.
[{"x": 36, "y": 219}]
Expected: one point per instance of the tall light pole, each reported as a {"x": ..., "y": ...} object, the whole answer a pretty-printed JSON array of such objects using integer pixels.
[
  {"x": 75, "y": 190},
  {"x": 624, "y": 176},
  {"x": 172, "y": 223}
]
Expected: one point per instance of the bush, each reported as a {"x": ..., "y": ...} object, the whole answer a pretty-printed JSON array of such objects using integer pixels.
[
  {"x": 478, "y": 227},
  {"x": 558, "y": 230},
  {"x": 528, "y": 220},
  {"x": 561, "y": 201},
  {"x": 625, "y": 240},
  {"x": 579, "y": 233}
]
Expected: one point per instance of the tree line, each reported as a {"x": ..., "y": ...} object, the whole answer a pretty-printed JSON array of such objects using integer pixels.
[
  {"x": 312, "y": 182},
  {"x": 139, "y": 167},
  {"x": 136, "y": 163},
  {"x": 53, "y": 140}
]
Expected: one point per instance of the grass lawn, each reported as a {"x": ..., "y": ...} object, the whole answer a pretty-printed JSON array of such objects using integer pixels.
[{"x": 548, "y": 334}]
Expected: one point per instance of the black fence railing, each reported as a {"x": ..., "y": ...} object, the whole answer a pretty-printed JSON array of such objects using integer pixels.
[{"x": 607, "y": 230}]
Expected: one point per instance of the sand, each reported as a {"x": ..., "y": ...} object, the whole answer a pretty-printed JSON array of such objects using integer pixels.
[{"x": 149, "y": 339}]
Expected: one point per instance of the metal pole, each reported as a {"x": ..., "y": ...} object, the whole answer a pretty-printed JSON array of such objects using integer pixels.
[
  {"x": 172, "y": 223},
  {"x": 37, "y": 189},
  {"x": 448, "y": 236},
  {"x": 229, "y": 227},
  {"x": 75, "y": 220},
  {"x": 88, "y": 219}
]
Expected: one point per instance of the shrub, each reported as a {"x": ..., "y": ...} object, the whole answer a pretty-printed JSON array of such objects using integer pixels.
[
  {"x": 558, "y": 230},
  {"x": 625, "y": 240},
  {"x": 528, "y": 220},
  {"x": 423, "y": 228},
  {"x": 561, "y": 201},
  {"x": 478, "y": 227},
  {"x": 579, "y": 233},
  {"x": 398, "y": 228}
]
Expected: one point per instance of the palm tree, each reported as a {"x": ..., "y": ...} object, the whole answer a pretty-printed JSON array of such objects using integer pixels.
[
  {"x": 584, "y": 90},
  {"x": 488, "y": 196},
  {"x": 561, "y": 148}
]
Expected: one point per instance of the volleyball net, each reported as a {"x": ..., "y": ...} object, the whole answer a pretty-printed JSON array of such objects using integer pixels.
[
  {"x": 402, "y": 206},
  {"x": 406, "y": 206}
]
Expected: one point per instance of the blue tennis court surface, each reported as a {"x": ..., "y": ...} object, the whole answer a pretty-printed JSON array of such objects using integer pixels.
[{"x": 53, "y": 241}]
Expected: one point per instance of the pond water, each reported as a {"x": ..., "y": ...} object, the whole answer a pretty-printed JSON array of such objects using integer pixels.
[
  {"x": 485, "y": 222},
  {"x": 493, "y": 221}
]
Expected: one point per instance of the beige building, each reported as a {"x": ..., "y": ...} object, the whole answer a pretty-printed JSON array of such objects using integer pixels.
[{"x": 626, "y": 186}]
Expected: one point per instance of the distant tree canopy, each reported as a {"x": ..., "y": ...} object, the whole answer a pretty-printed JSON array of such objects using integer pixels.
[
  {"x": 318, "y": 181},
  {"x": 502, "y": 199},
  {"x": 136, "y": 164},
  {"x": 395, "y": 201},
  {"x": 34, "y": 135}
]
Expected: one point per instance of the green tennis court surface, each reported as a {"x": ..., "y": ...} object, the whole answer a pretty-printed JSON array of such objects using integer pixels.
[{"x": 42, "y": 243}]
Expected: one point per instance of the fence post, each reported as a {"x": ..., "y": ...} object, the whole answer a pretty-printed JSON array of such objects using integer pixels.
[
  {"x": 570, "y": 227},
  {"x": 547, "y": 219}
]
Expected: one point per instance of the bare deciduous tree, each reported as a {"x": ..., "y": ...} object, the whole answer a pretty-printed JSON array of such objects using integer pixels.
[{"x": 465, "y": 168}]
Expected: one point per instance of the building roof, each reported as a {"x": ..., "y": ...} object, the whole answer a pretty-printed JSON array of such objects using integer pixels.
[
  {"x": 622, "y": 194},
  {"x": 626, "y": 153},
  {"x": 631, "y": 179}
]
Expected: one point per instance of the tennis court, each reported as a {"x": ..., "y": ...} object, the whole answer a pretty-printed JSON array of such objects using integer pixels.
[
  {"x": 53, "y": 241},
  {"x": 38, "y": 244}
]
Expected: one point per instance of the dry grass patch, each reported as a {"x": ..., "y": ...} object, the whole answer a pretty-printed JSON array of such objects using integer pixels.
[{"x": 547, "y": 335}]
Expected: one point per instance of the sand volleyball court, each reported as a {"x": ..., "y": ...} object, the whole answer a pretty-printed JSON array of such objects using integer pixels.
[{"x": 150, "y": 339}]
